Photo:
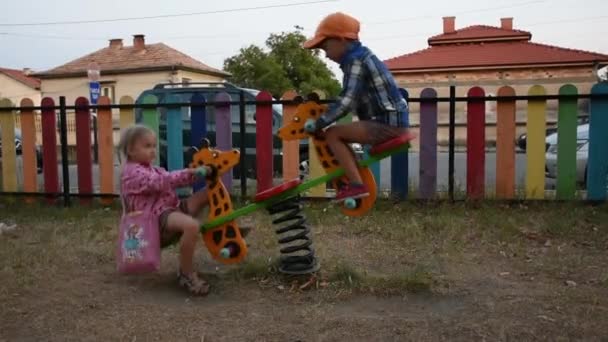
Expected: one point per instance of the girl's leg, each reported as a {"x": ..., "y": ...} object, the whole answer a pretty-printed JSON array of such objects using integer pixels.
[
  {"x": 196, "y": 202},
  {"x": 189, "y": 227}
]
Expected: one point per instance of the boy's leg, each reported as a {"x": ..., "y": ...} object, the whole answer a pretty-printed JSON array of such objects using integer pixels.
[
  {"x": 364, "y": 132},
  {"x": 178, "y": 221}
]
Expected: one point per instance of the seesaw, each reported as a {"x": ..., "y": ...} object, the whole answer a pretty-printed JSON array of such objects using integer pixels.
[{"x": 221, "y": 233}]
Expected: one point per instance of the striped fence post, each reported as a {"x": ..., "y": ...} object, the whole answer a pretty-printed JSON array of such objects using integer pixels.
[
  {"x": 223, "y": 131},
  {"x": 28, "y": 149},
  {"x": 49, "y": 147},
  {"x": 476, "y": 140},
  {"x": 535, "y": 144},
  {"x": 9, "y": 154},
  {"x": 597, "y": 165},
  {"x": 566, "y": 144},
  {"x": 198, "y": 127},
  {"x": 264, "y": 152},
  {"x": 428, "y": 144},
  {"x": 151, "y": 118},
  {"x": 291, "y": 149},
  {"x": 105, "y": 134},
  {"x": 84, "y": 160},
  {"x": 505, "y": 149}
]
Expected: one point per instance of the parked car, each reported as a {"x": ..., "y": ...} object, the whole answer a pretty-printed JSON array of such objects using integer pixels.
[
  {"x": 521, "y": 140},
  {"x": 582, "y": 152},
  {"x": 18, "y": 150},
  {"x": 210, "y": 90}
]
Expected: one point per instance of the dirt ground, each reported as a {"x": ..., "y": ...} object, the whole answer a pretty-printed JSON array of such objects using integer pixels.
[{"x": 410, "y": 272}]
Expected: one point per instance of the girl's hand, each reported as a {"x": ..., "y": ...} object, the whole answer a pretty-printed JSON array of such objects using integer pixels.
[{"x": 202, "y": 171}]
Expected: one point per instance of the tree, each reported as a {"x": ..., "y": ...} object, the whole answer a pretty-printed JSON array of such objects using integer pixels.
[
  {"x": 253, "y": 68},
  {"x": 285, "y": 66}
]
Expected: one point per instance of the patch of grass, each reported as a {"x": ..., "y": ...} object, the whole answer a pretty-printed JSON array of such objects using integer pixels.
[
  {"x": 345, "y": 274},
  {"x": 417, "y": 280},
  {"x": 253, "y": 268}
]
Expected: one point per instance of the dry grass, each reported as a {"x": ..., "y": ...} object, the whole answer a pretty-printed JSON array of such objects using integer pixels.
[{"x": 414, "y": 271}]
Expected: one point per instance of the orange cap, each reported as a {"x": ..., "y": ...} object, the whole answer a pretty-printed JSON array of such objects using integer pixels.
[{"x": 335, "y": 25}]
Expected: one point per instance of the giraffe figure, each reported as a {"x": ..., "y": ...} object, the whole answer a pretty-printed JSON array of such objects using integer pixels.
[
  {"x": 226, "y": 238},
  {"x": 295, "y": 130}
]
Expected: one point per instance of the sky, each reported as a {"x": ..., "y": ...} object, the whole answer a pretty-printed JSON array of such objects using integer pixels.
[{"x": 211, "y": 31}]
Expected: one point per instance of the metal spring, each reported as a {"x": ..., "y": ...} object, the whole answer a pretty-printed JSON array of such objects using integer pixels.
[{"x": 297, "y": 255}]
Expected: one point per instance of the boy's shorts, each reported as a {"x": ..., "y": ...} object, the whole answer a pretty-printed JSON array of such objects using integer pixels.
[
  {"x": 167, "y": 236},
  {"x": 379, "y": 131}
]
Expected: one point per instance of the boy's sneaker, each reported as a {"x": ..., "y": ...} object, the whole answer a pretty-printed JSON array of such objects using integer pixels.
[{"x": 352, "y": 191}]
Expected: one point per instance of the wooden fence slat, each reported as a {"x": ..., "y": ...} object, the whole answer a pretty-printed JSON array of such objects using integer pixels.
[
  {"x": 151, "y": 118},
  {"x": 175, "y": 154},
  {"x": 9, "y": 155},
  {"x": 84, "y": 159},
  {"x": 400, "y": 164},
  {"x": 264, "y": 152},
  {"x": 198, "y": 127},
  {"x": 49, "y": 147},
  {"x": 223, "y": 131},
  {"x": 126, "y": 115},
  {"x": 315, "y": 169},
  {"x": 291, "y": 149},
  {"x": 566, "y": 144},
  {"x": 28, "y": 149},
  {"x": 428, "y": 144},
  {"x": 505, "y": 145},
  {"x": 476, "y": 138},
  {"x": 597, "y": 167},
  {"x": 535, "y": 145},
  {"x": 105, "y": 134}
]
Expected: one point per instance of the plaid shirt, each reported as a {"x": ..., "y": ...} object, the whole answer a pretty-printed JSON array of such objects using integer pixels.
[{"x": 369, "y": 90}]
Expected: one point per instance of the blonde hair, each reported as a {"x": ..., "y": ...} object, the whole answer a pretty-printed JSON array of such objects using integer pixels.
[{"x": 129, "y": 136}]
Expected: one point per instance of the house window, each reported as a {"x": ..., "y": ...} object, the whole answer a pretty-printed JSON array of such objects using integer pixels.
[{"x": 109, "y": 91}]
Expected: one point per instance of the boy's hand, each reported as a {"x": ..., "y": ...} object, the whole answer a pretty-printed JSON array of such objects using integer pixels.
[{"x": 310, "y": 126}]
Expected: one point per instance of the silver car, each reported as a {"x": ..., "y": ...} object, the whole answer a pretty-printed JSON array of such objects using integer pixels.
[{"x": 582, "y": 153}]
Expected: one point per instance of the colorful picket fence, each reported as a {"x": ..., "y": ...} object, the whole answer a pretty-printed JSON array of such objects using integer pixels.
[{"x": 426, "y": 188}]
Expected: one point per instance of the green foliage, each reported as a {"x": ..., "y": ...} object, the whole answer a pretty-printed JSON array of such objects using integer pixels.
[{"x": 286, "y": 65}]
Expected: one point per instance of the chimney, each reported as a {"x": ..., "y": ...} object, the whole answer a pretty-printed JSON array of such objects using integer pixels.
[
  {"x": 506, "y": 23},
  {"x": 449, "y": 24},
  {"x": 116, "y": 43},
  {"x": 138, "y": 42}
]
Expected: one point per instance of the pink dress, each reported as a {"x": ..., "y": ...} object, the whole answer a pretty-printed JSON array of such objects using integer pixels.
[{"x": 151, "y": 188}]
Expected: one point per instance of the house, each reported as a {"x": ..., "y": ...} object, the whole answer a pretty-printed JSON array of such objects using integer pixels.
[
  {"x": 491, "y": 57},
  {"x": 126, "y": 70},
  {"x": 16, "y": 85},
  {"x": 123, "y": 71}
]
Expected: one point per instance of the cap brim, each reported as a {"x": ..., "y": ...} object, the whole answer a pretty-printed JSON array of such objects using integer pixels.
[{"x": 313, "y": 42}]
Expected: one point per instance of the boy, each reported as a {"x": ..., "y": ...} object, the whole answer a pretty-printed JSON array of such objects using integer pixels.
[{"x": 369, "y": 90}]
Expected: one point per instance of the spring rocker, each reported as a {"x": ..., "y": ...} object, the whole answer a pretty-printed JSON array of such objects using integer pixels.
[{"x": 221, "y": 234}]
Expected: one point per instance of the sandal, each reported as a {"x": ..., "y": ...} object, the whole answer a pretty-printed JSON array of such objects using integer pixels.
[{"x": 193, "y": 284}]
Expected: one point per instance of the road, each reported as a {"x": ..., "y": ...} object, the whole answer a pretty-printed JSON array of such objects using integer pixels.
[{"x": 385, "y": 179}]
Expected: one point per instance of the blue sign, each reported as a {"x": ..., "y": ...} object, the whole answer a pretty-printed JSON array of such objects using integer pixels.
[{"x": 94, "y": 91}]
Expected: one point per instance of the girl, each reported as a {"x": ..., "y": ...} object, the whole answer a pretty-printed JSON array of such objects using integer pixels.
[{"x": 148, "y": 187}]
